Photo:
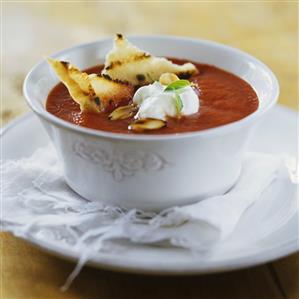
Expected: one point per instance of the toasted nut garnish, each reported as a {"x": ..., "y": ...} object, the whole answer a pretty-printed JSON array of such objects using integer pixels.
[
  {"x": 123, "y": 112},
  {"x": 168, "y": 78},
  {"x": 147, "y": 124}
]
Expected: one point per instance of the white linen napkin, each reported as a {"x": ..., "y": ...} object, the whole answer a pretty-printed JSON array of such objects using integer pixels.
[{"x": 38, "y": 203}]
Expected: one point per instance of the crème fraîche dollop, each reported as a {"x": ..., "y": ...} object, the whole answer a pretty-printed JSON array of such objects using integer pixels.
[{"x": 159, "y": 101}]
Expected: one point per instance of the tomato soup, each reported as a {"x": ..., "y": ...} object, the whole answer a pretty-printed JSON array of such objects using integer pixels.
[{"x": 224, "y": 98}]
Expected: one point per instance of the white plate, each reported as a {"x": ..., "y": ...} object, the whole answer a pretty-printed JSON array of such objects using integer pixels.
[{"x": 276, "y": 134}]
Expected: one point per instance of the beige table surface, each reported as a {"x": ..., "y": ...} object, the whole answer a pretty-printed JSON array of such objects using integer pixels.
[{"x": 268, "y": 30}]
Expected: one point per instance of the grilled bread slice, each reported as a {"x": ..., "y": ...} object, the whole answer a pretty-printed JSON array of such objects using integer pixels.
[
  {"x": 128, "y": 63},
  {"x": 77, "y": 84},
  {"x": 92, "y": 92},
  {"x": 111, "y": 93}
]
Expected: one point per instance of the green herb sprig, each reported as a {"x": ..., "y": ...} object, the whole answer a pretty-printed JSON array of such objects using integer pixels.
[
  {"x": 176, "y": 85},
  {"x": 178, "y": 103}
]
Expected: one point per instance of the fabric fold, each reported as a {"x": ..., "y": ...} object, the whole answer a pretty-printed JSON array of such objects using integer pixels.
[{"x": 37, "y": 202}]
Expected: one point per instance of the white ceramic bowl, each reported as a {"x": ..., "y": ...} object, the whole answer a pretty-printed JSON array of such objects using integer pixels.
[{"x": 152, "y": 171}]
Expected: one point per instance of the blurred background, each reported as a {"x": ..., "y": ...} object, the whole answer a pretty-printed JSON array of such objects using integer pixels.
[{"x": 267, "y": 30}]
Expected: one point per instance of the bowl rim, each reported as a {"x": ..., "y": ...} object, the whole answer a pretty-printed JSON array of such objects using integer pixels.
[{"x": 216, "y": 131}]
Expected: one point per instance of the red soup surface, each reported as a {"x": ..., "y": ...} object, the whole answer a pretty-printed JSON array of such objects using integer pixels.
[{"x": 224, "y": 98}]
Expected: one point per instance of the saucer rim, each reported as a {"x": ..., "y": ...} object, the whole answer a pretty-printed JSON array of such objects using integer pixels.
[{"x": 108, "y": 262}]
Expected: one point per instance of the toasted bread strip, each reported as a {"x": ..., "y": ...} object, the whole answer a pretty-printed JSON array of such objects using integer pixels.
[
  {"x": 110, "y": 91},
  {"x": 92, "y": 92},
  {"x": 81, "y": 78},
  {"x": 128, "y": 63},
  {"x": 75, "y": 83}
]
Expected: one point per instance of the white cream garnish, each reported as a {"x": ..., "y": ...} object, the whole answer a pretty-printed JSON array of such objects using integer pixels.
[
  {"x": 147, "y": 91},
  {"x": 156, "y": 102}
]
